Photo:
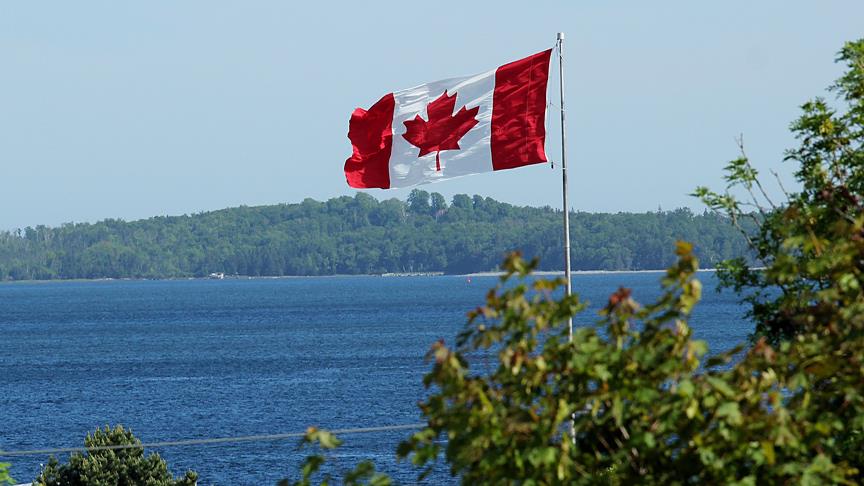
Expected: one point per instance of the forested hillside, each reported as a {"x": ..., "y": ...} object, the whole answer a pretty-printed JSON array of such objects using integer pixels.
[{"x": 359, "y": 235}]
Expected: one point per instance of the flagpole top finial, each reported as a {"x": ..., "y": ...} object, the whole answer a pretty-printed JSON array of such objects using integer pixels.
[{"x": 560, "y": 36}]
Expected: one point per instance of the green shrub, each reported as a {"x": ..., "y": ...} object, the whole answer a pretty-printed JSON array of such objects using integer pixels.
[{"x": 103, "y": 466}]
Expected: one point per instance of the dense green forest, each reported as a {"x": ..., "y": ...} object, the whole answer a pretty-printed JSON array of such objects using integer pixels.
[{"x": 359, "y": 235}]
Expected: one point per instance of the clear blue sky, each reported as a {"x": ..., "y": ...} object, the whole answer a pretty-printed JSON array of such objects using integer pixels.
[{"x": 136, "y": 109}]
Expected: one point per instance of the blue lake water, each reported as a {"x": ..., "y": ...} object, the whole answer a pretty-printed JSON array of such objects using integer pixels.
[{"x": 175, "y": 360}]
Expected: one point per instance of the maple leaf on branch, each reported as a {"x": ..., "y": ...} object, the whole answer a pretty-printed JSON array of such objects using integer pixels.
[{"x": 443, "y": 129}]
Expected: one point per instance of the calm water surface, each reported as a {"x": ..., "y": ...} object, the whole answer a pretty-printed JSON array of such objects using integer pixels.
[{"x": 178, "y": 360}]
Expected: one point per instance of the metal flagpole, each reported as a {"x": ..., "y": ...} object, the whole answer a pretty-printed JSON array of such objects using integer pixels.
[
  {"x": 569, "y": 289},
  {"x": 569, "y": 286}
]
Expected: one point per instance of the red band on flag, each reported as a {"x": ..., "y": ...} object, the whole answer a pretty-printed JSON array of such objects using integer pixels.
[
  {"x": 519, "y": 111},
  {"x": 371, "y": 135}
]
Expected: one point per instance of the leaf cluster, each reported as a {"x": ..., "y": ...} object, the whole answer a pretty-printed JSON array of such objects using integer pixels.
[
  {"x": 632, "y": 399},
  {"x": 4, "y": 474},
  {"x": 311, "y": 471}
]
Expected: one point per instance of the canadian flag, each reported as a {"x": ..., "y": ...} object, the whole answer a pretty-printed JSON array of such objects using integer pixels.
[{"x": 454, "y": 127}]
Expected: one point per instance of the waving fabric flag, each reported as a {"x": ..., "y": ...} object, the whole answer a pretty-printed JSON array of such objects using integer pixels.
[{"x": 454, "y": 127}]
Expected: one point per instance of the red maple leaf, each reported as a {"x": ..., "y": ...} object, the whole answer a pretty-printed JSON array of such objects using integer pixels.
[{"x": 443, "y": 130}]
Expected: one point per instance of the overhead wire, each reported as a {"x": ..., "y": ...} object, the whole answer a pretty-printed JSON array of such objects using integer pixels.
[{"x": 207, "y": 441}]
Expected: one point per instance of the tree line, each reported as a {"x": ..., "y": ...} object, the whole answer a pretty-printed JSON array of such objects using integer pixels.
[{"x": 359, "y": 235}]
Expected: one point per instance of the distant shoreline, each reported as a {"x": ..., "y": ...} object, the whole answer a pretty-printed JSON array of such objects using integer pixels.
[
  {"x": 579, "y": 272},
  {"x": 545, "y": 273}
]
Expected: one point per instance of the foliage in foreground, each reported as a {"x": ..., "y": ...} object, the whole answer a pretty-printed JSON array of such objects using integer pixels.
[
  {"x": 642, "y": 403},
  {"x": 111, "y": 467},
  {"x": 4, "y": 474},
  {"x": 811, "y": 289},
  {"x": 633, "y": 399},
  {"x": 362, "y": 474}
]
